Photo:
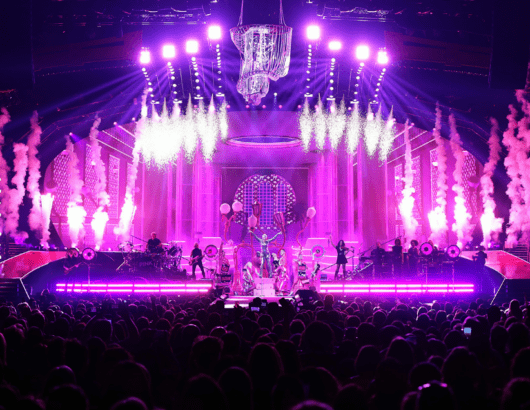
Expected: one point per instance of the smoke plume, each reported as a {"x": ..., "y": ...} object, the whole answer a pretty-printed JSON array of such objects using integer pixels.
[
  {"x": 387, "y": 137},
  {"x": 462, "y": 225},
  {"x": 319, "y": 125},
  {"x": 100, "y": 217},
  {"x": 353, "y": 130},
  {"x": 128, "y": 210},
  {"x": 35, "y": 216},
  {"x": 371, "y": 132},
  {"x": 491, "y": 226},
  {"x": 306, "y": 126},
  {"x": 75, "y": 212},
  {"x": 407, "y": 203},
  {"x": 4, "y": 169},
  {"x": 46, "y": 203},
  {"x": 336, "y": 123},
  {"x": 438, "y": 217},
  {"x": 516, "y": 151},
  {"x": 16, "y": 195}
]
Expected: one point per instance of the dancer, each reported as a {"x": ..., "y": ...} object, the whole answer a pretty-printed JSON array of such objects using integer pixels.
[
  {"x": 265, "y": 254},
  {"x": 248, "y": 280},
  {"x": 196, "y": 260},
  {"x": 342, "y": 251}
]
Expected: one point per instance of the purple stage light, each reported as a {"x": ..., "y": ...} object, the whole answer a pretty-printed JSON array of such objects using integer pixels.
[
  {"x": 145, "y": 57},
  {"x": 192, "y": 46},
  {"x": 169, "y": 51},
  {"x": 214, "y": 33},
  {"x": 398, "y": 288},
  {"x": 335, "y": 45},
  {"x": 135, "y": 288},
  {"x": 313, "y": 32},
  {"x": 382, "y": 57},
  {"x": 362, "y": 52}
]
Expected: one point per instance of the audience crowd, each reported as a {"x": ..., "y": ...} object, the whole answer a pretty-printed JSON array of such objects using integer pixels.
[{"x": 83, "y": 353}]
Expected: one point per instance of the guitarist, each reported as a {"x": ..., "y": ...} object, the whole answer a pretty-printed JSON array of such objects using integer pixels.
[
  {"x": 196, "y": 260},
  {"x": 70, "y": 265}
]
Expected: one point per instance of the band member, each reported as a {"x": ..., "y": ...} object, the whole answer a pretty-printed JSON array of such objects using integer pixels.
[
  {"x": 71, "y": 265},
  {"x": 413, "y": 256},
  {"x": 377, "y": 256},
  {"x": 397, "y": 257},
  {"x": 154, "y": 245},
  {"x": 342, "y": 251},
  {"x": 248, "y": 280},
  {"x": 196, "y": 260},
  {"x": 266, "y": 257}
]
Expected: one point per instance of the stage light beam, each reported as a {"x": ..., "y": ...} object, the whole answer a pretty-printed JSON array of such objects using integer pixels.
[
  {"x": 362, "y": 52},
  {"x": 382, "y": 57},
  {"x": 169, "y": 51},
  {"x": 145, "y": 57},
  {"x": 214, "y": 33},
  {"x": 313, "y": 32},
  {"x": 192, "y": 46},
  {"x": 335, "y": 45}
]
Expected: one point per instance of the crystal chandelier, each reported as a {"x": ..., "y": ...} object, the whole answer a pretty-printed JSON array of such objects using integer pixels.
[{"x": 265, "y": 54}]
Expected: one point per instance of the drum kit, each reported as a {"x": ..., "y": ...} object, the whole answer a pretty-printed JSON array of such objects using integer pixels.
[{"x": 165, "y": 258}]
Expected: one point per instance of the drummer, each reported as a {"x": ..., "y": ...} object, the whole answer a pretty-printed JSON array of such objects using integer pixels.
[{"x": 154, "y": 245}]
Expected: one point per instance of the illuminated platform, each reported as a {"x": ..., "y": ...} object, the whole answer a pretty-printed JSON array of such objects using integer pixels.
[
  {"x": 131, "y": 288},
  {"x": 397, "y": 288}
]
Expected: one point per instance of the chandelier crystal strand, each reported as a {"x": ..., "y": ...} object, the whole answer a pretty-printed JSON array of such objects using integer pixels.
[
  {"x": 265, "y": 55},
  {"x": 306, "y": 126},
  {"x": 353, "y": 130}
]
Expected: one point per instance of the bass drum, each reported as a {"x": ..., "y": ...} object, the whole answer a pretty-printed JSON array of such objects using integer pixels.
[
  {"x": 174, "y": 250},
  {"x": 426, "y": 249},
  {"x": 211, "y": 251},
  {"x": 453, "y": 252}
]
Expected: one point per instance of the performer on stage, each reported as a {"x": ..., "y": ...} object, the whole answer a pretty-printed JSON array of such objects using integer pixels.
[
  {"x": 266, "y": 257},
  {"x": 154, "y": 245},
  {"x": 377, "y": 256},
  {"x": 196, "y": 260},
  {"x": 342, "y": 251},
  {"x": 397, "y": 257},
  {"x": 413, "y": 256}
]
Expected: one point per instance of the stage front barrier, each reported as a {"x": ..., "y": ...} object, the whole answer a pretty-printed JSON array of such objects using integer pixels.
[
  {"x": 405, "y": 288},
  {"x": 136, "y": 288}
]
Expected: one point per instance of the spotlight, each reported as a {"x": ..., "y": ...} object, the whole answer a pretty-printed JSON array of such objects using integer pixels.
[
  {"x": 168, "y": 51},
  {"x": 335, "y": 45},
  {"x": 145, "y": 57},
  {"x": 362, "y": 52},
  {"x": 382, "y": 57},
  {"x": 192, "y": 46},
  {"x": 313, "y": 32},
  {"x": 214, "y": 33}
]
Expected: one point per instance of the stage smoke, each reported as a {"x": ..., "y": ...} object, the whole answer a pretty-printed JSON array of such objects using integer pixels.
[
  {"x": 406, "y": 206},
  {"x": 387, "y": 137},
  {"x": 371, "y": 133},
  {"x": 46, "y": 205},
  {"x": 75, "y": 212},
  {"x": 438, "y": 217},
  {"x": 353, "y": 130},
  {"x": 16, "y": 195},
  {"x": 129, "y": 209},
  {"x": 491, "y": 226},
  {"x": 4, "y": 169},
  {"x": 306, "y": 126},
  {"x": 336, "y": 123},
  {"x": 462, "y": 226},
  {"x": 223, "y": 121},
  {"x": 190, "y": 132},
  {"x": 209, "y": 139},
  {"x": 320, "y": 126},
  {"x": 36, "y": 219},
  {"x": 524, "y": 162},
  {"x": 100, "y": 217}
]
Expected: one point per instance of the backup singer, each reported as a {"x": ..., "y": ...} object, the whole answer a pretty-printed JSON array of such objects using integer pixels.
[
  {"x": 196, "y": 260},
  {"x": 342, "y": 251},
  {"x": 266, "y": 257}
]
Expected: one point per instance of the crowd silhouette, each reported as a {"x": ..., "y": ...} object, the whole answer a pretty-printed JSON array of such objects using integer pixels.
[{"x": 160, "y": 352}]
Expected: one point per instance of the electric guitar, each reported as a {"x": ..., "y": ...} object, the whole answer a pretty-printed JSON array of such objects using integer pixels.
[
  {"x": 70, "y": 269},
  {"x": 196, "y": 259}
]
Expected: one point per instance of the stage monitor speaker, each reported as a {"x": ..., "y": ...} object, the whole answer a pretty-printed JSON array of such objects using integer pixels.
[{"x": 510, "y": 44}]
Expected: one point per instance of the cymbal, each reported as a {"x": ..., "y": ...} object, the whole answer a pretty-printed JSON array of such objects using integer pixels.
[{"x": 164, "y": 244}]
